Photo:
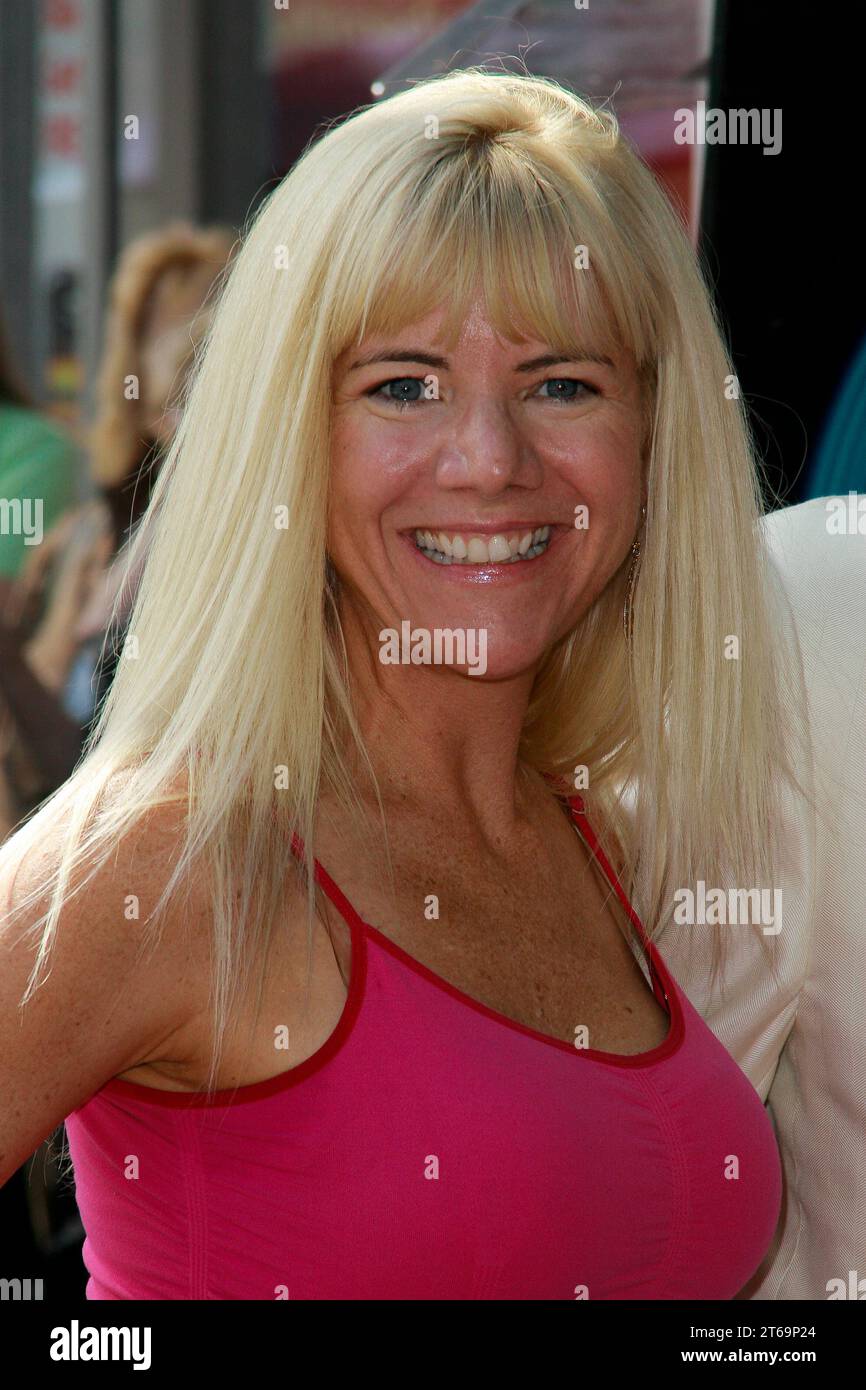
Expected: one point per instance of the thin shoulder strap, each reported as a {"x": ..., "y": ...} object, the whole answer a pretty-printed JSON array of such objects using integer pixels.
[
  {"x": 579, "y": 815},
  {"x": 321, "y": 876},
  {"x": 579, "y": 812}
]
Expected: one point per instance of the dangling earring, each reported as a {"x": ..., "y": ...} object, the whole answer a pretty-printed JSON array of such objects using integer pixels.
[{"x": 635, "y": 555}]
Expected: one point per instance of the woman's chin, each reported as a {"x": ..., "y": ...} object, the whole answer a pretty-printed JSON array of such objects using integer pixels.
[{"x": 471, "y": 651}]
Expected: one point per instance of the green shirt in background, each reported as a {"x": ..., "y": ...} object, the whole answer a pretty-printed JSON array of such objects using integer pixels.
[{"x": 37, "y": 461}]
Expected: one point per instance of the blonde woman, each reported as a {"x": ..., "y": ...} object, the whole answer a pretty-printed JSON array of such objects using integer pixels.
[{"x": 459, "y": 520}]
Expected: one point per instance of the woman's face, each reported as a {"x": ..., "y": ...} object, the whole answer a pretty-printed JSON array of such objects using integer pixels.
[{"x": 491, "y": 445}]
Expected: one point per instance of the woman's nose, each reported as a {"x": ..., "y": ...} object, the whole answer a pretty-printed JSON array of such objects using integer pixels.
[{"x": 487, "y": 450}]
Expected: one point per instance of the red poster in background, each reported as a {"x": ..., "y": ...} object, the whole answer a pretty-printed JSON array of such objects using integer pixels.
[
  {"x": 60, "y": 187},
  {"x": 60, "y": 98}
]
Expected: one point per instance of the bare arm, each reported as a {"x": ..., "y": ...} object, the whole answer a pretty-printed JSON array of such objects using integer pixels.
[{"x": 101, "y": 1010}]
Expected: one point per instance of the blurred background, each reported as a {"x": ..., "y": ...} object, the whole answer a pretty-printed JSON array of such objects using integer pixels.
[{"x": 136, "y": 139}]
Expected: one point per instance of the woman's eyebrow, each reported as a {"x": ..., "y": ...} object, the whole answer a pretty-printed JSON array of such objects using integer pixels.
[{"x": 433, "y": 360}]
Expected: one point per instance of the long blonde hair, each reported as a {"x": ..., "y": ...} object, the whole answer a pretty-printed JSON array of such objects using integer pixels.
[{"x": 240, "y": 690}]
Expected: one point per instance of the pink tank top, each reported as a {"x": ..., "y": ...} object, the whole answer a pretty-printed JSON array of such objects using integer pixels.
[{"x": 435, "y": 1149}]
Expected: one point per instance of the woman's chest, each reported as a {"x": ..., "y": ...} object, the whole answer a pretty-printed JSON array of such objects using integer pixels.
[
  {"x": 470, "y": 1161},
  {"x": 546, "y": 946}
]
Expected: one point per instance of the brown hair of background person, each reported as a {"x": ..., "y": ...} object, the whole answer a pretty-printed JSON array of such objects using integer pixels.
[
  {"x": 161, "y": 282},
  {"x": 157, "y": 314},
  {"x": 155, "y": 320}
]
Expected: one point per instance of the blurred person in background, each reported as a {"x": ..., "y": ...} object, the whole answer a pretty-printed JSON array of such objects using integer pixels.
[{"x": 154, "y": 325}]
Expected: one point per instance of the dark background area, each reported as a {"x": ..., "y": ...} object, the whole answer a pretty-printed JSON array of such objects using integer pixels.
[{"x": 779, "y": 235}]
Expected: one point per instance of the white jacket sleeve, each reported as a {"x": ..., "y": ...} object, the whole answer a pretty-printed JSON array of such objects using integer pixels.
[{"x": 801, "y": 1037}]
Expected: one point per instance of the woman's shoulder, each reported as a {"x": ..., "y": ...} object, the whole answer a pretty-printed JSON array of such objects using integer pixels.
[
  {"x": 103, "y": 1003},
  {"x": 817, "y": 551},
  {"x": 819, "y": 574},
  {"x": 823, "y": 539},
  {"x": 140, "y": 857}
]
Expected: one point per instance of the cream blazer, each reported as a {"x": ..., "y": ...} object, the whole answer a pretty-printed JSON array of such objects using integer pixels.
[{"x": 802, "y": 1042}]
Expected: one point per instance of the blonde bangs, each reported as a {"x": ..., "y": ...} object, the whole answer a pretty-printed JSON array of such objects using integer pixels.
[{"x": 483, "y": 217}]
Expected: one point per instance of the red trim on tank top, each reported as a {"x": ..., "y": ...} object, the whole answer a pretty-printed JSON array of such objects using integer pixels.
[
  {"x": 272, "y": 1085},
  {"x": 664, "y": 987},
  {"x": 661, "y": 982}
]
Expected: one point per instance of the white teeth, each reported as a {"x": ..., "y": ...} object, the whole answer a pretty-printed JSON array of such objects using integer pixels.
[
  {"x": 498, "y": 548},
  {"x": 478, "y": 550}
]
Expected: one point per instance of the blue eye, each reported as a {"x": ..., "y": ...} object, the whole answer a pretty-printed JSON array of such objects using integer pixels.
[
  {"x": 410, "y": 387},
  {"x": 410, "y": 390},
  {"x": 567, "y": 397}
]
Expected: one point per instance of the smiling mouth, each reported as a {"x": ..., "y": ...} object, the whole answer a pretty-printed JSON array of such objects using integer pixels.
[{"x": 504, "y": 548}]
